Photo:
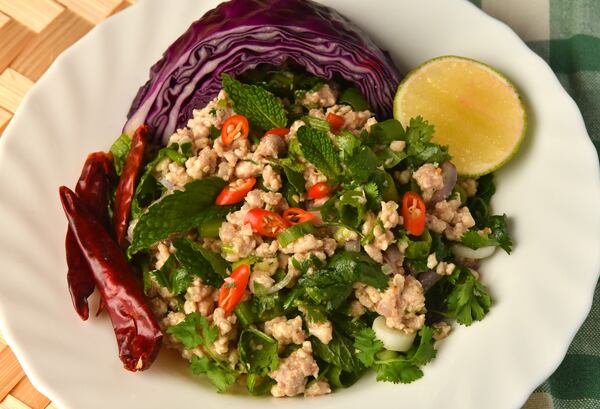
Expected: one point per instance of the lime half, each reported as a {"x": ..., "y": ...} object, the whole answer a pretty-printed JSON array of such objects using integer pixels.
[{"x": 476, "y": 111}]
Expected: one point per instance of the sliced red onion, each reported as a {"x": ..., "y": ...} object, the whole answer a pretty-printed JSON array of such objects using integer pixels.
[
  {"x": 283, "y": 283},
  {"x": 352, "y": 245},
  {"x": 394, "y": 259},
  {"x": 428, "y": 279},
  {"x": 450, "y": 176}
]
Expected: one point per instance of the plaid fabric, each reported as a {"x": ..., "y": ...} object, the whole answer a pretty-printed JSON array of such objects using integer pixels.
[{"x": 566, "y": 33}]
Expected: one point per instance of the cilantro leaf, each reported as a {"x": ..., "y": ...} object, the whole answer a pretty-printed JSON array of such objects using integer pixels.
[
  {"x": 201, "y": 262},
  {"x": 368, "y": 346},
  {"x": 398, "y": 370},
  {"x": 318, "y": 149},
  {"x": 362, "y": 164},
  {"x": 120, "y": 150},
  {"x": 258, "y": 351},
  {"x": 469, "y": 300},
  {"x": 178, "y": 212},
  {"x": 479, "y": 205},
  {"x": 425, "y": 351},
  {"x": 262, "y": 108},
  {"x": 187, "y": 332},
  {"x": 418, "y": 146},
  {"x": 219, "y": 375},
  {"x": 348, "y": 144},
  {"x": 495, "y": 233}
]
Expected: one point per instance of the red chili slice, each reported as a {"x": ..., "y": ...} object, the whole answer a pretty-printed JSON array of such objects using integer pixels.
[
  {"x": 277, "y": 131},
  {"x": 127, "y": 182},
  {"x": 319, "y": 190},
  {"x": 265, "y": 222},
  {"x": 233, "y": 288},
  {"x": 335, "y": 121},
  {"x": 235, "y": 192},
  {"x": 234, "y": 126},
  {"x": 295, "y": 215},
  {"x": 413, "y": 213}
]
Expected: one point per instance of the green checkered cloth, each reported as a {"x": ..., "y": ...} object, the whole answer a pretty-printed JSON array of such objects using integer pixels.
[{"x": 566, "y": 33}]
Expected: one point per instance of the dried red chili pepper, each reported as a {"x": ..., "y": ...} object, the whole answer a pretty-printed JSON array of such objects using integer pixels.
[
  {"x": 93, "y": 188},
  {"x": 137, "y": 332},
  {"x": 127, "y": 181}
]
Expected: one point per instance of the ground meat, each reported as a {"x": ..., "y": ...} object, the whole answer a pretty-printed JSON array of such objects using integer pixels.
[
  {"x": 232, "y": 153},
  {"x": 227, "y": 326},
  {"x": 286, "y": 331},
  {"x": 430, "y": 180},
  {"x": 370, "y": 122},
  {"x": 225, "y": 171},
  {"x": 202, "y": 165},
  {"x": 177, "y": 175},
  {"x": 382, "y": 237},
  {"x": 322, "y": 98},
  {"x": 470, "y": 186},
  {"x": 292, "y": 372},
  {"x": 213, "y": 114},
  {"x": 444, "y": 268},
  {"x": 239, "y": 239},
  {"x": 353, "y": 121},
  {"x": 403, "y": 177},
  {"x": 323, "y": 331},
  {"x": 449, "y": 218},
  {"x": 180, "y": 137},
  {"x": 200, "y": 297},
  {"x": 267, "y": 249},
  {"x": 162, "y": 253},
  {"x": 397, "y": 146},
  {"x": 271, "y": 179},
  {"x": 312, "y": 176},
  {"x": 309, "y": 243},
  {"x": 432, "y": 260},
  {"x": 248, "y": 168},
  {"x": 357, "y": 309},
  {"x": 402, "y": 303},
  {"x": 270, "y": 146},
  {"x": 441, "y": 330},
  {"x": 158, "y": 306},
  {"x": 317, "y": 389}
]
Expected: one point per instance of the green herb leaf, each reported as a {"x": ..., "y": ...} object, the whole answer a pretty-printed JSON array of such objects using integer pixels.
[
  {"x": 353, "y": 97},
  {"x": 317, "y": 123},
  {"x": 178, "y": 212},
  {"x": 262, "y": 108},
  {"x": 173, "y": 277},
  {"x": 469, "y": 300},
  {"x": 348, "y": 144},
  {"x": 201, "y": 262},
  {"x": 362, "y": 164},
  {"x": 219, "y": 375},
  {"x": 424, "y": 352},
  {"x": 120, "y": 150},
  {"x": 339, "y": 352},
  {"x": 193, "y": 331},
  {"x": 318, "y": 149},
  {"x": 385, "y": 132},
  {"x": 418, "y": 146},
  {"x": 368, "y": 346},
  {"x": 498, "y": 237},
  {"x": 398, "y": 370},
  {"x": 258, "y": 351}
]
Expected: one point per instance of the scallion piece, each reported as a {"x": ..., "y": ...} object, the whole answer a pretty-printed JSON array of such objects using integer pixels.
[{"x": 293, "y": 233}]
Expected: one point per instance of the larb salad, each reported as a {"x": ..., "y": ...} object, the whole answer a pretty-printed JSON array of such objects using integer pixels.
[{"x": 288, "y": 236}]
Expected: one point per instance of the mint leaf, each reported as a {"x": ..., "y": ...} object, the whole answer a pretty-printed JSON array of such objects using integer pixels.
[
  {"x": 175, "y": 213},
  {"x": 318, "y": 149},
  {"x": 339, "y": 352},
  {"x": 418, "y": 146},
  {"x": 498, "y": 235},
  {"x": 120, "y": 150},
  {"x": 218, "y": 374},
  {"x": 262, "y": 108},
  {"x": 368, "y": 346},
  {"x": 258, "y": 351},
  {"x": 201, "y": 262},
  {"x": 469, "y": 300}
]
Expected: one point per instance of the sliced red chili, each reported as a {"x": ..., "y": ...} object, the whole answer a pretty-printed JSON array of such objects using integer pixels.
[
  {"x": 233, "y": 288},
  {"x": 235, "y": 192},
  {"x": 235, "y": 126},
  {"x": 137, "y": 332},
  {"x": 335, "y": 121},
  {"x": 93, "y": 188},
  {"x": 127, "y": 182},
  {"x": 319, "y": 190},
  {"x": 278, "y": 131},
  {"x": 265, "y": 222},
  {"x": 413, "y": 213},
  {"x": 295, "y": 215}
]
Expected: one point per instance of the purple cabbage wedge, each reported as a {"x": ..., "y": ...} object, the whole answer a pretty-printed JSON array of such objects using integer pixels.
[{"x": 241, "y": 34}]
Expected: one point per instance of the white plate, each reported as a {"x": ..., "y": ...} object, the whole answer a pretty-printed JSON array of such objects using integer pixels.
[{"x": 543, "y": 291}]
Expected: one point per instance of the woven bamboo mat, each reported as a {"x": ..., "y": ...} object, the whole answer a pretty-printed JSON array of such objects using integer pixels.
[{"x": 32, "y": 34}]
